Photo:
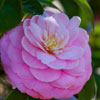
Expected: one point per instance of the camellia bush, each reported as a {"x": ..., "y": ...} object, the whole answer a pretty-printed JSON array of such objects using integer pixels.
[{"x": 45, "y": 51}]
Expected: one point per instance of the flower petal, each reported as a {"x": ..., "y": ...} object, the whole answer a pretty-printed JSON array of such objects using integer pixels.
[
  {"x": 61, "y": 18},
  {"x": 45, "y": 57},
  {"x": 28, "y": 46},
  {"x": 16, "y": 35},
  {"x": 71, "y": 53},
  {"x": 73, "y": 28},
  {"x": 51, "y": 24},
  {"x": 26, "y": 23},
  {"x": 32, "y": 61},
  {"x": 78, "y": 70},
  {"x": 14, "y": 54},
  {"x": 82, "y": 39},
  {"x": 45, "y": 75},
  {"x": 65, "y": 81},
  {"x": 57, "y": 64},
  {"x": 75, "y": 21},
  {"x": 21, "y": 70},
  {"x": 29, "y": 36},
  {"x": 36, "y": 31},
  {"x": 70, "y": 64}
]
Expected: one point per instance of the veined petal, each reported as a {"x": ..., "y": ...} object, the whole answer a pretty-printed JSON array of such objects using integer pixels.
[
  {"x": 65, "y": 81},
  {"x": 78, "y": 70},
  {"x": 51, "y": 24},
  {"x": 82, "y": 39},
  {"x": 61, "y": 18},
  {"x": 26, "y": 23},
  {"x": 36, "y": 31},
  {"x": 75, "y": 21},
  {"x": 45, "y": 58},
  {"x": 71, "y": 53},
  {"x": 46, "y": 75},
  {"x": 31, "y": 61},
  {"x": 28, "y": 46}
]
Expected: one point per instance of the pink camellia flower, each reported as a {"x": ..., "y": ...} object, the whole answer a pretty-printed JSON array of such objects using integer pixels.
[{"x": 47, "y": 56}]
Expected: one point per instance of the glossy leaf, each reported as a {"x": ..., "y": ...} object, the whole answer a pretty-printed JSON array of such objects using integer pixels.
[
  {"x": 95, "y": 45},
  {"x": 83, "y": 4},
  {"x": 47, "y": 3},
  {"x": 97, "y": 78},
  {"x": 10, "y": 15},
  {"x": 1, "y": 3},
  {"x": 88, "y": 90},
  {"x": 32, "y": 7},
  {"x": 70, "y": 7},
  {"x": 49, "y": 0},
  {"x": 16, "y": 95},
  {"x": 30, "y": 98}
]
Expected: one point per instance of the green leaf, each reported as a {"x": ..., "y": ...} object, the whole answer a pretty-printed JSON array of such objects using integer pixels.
[
  {"x": 70, "y": 7},
  {"x": 97, "y": 79},
  {"x": 32, "y": 7},
  {"x": 30, "y": 98},
  {"x": 1, "y": 3},
  {"x": 83, "y": 4},
  {"x": 45, "y": 3},
  {"x": 16, "y": 95},
  {"x": 88, "y": 90},
  {"x": 49, "y": 0},
  {"x": 10, "y": 15}
]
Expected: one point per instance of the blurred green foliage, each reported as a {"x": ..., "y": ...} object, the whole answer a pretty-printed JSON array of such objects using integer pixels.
[
  {"x": 10, "y": 14},
  {"x": 95, "y": 46}
]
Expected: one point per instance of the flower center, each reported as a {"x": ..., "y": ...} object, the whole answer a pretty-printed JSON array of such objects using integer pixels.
[{"x": 51, "y": 44}]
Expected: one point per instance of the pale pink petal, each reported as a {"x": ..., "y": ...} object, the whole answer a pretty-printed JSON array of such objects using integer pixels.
[
  {"x": 34, "y": 19},
  {"x": 73, "y": 34},
  {"x": 82, "y": 39},
  {"x": 57, "y": 64},
  {"x": 14, "y": 54},
  {"x": 87, "y": 55},
  {"x": 42, "y": 23},
  {"x": 36, "y": 31},
  {"x": 26, "y": 23},
  {"x": 61, "y": 18},
  {"x": 5, "y": 62},
  {"x": 63, "y": 33},
  {"x": 45, "y": 57},
  {"x": 21, "y": 70},
  {"x": 16, "y": 35},
  {"x": 78, "y": 70},
  {"x": 29, "y": 36},
  {"x": 45, "y": 75},
  {"x": 32, "y": 61},
  {"x": 73, "y": 28},
  {"x": 70, "y": 64},
  {"x": 57, "y": 93},
  {"x": 48, "y": 13},
  {"x": 65, "y": 81},
  {"x": 33, "y": 93},
  {"x": 37, "y": 85},
  {"x": 51, "y": 25},
  {"x": 71, "y": 53},
  {"x": 29, "y": 47},
  {"x": 4, "y": 43},
  {"x": 75, "y": 21}
]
